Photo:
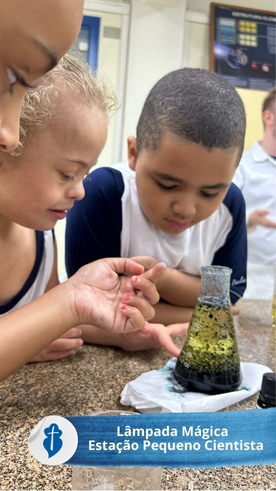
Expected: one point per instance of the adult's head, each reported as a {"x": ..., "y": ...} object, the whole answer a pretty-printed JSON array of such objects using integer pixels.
[
  {"x": 34, "y": 35},
  {"x": 196, "y": 106}
]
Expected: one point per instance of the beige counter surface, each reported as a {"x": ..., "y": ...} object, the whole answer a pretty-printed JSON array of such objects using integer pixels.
[{"x": 92, "y": 380}]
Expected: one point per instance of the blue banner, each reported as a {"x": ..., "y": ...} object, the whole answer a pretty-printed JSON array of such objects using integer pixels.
[{"x": 234, "y": 438}]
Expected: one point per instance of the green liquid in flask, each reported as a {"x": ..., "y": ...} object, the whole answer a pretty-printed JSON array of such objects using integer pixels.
[{"x": 209, "y": 360}]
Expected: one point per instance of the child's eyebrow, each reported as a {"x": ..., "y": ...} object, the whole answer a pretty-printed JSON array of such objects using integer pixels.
[
  {"x": 53, "y": 61},
  {"x": 52, "y": 58},
  {"x": 81, "y": 162},
  {"x": 168, "y": 177},
  {"x": 220, "y": 185}
]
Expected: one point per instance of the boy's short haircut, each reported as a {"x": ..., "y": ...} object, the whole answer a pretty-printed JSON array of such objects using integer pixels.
[
  {"x": 196, "y": 106},
  {"x": 269, "y": 101},
  {"x": 70, "y": 79}
]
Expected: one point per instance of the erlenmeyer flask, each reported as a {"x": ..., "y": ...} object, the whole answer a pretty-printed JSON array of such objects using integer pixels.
[{"x": 209, "y": 360}]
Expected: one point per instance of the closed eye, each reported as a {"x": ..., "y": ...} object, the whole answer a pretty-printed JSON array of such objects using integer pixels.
[
  {"x": 66, "y": 178},
  {"x": 14, "y": 79},
  {"x": 166, "y": 188},
  {"x": 208, "y": 195}
]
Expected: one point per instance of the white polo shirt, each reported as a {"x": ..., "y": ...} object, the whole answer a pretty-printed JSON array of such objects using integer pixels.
[
  {"x": 256, "y": 177},
  {"x": 109, "y": 222}
]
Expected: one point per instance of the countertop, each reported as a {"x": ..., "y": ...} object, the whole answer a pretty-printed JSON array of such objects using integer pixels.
[{"x": 91, "y": 380}]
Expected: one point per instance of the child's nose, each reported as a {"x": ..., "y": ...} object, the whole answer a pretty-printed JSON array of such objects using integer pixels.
[
  {"x": 185, "y": 206},
  {"x": 9, "y": 122},
  {"x": 76, "y": 192}
]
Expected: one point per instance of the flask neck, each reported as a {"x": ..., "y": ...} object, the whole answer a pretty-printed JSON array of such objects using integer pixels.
[{"x": 215, "y": 283}]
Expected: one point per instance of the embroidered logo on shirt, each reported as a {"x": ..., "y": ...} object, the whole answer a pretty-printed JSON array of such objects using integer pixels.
[{"x": 238, "y": 282}]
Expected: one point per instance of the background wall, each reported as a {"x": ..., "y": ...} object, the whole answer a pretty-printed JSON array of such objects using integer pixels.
[
  {"x": 204, "y": 5},
  {"x": 108, "y": 65},
  {"x": 155, "y": 48},
  {"x": 163, "y": 35},
  {"x": 164, "y": 38}
]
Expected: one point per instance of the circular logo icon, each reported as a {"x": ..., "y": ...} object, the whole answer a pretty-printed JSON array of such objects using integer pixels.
[
  {"x": 236, "y": 58},
  {"x": 53, "y": 441}
]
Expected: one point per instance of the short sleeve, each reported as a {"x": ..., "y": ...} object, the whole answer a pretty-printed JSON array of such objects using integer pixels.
[
  {"x": 233, "y": 253},
  {"x": 94, "y": 223}
]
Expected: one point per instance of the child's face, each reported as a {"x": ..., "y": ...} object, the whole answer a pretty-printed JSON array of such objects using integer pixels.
[
  {"x": 181, "y": 183},
  {"x": 39, "y": 186},
  {"x": 33, "y": 36}
]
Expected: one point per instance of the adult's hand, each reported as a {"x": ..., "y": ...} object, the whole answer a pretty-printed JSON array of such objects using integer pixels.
[{"x": 259, "y": 217}]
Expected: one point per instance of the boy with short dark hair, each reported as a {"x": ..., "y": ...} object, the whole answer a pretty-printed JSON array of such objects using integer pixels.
[{"x": 174, "y": 200}]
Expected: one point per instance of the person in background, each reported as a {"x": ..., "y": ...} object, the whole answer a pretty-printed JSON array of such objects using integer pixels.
[
  {"x": 256, "y": 177},
  {"x": 34, "y": 35},
  {"x": 173, "y": 199}
]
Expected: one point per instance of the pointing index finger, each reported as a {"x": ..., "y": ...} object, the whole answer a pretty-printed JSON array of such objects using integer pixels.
[{"x": 154, "y": 273}]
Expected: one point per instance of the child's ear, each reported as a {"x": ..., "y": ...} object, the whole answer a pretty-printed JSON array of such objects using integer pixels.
[
  {"x": 268, "y": 118},
  {"x": 131, "y": 152}
]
